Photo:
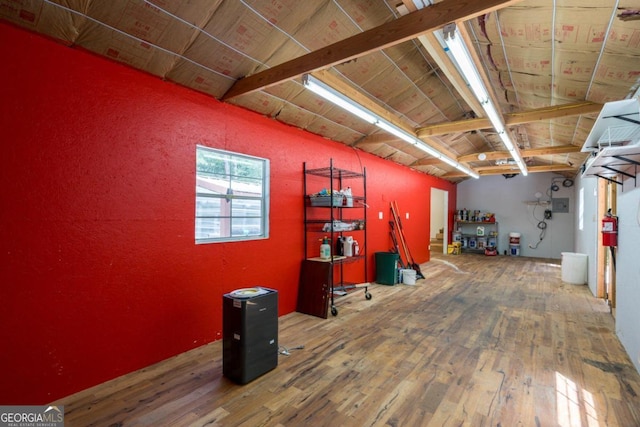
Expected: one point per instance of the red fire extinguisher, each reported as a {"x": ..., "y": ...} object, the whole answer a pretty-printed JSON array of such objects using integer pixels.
[{"x": 609, "y": 230}]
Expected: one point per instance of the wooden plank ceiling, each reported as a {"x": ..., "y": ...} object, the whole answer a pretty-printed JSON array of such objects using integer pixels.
[{"x": 550, "y": 66}]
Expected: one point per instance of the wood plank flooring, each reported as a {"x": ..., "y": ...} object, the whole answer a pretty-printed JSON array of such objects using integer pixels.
[{"x": 481, "y": 341}]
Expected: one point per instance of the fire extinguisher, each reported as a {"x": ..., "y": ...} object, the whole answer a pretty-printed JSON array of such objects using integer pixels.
[{"x": 610, "y": 230}]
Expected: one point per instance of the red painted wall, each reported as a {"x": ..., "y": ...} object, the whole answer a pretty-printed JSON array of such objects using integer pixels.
[{"x": 99, "y": 272}]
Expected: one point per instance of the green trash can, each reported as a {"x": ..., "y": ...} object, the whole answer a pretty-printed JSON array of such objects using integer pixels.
[{"x": 387, "y": 268}]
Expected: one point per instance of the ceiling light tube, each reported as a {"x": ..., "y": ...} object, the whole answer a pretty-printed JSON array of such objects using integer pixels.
[
  {"x": 507, "y": 141},
  {"x": 450, "y": 162},
  {"x": 471, "y": 173},
  {"x": 468, "y": 70},
  {"x": 430, "y": 151},
  {"x": 330, "y": 94},
  {"x": 393, "y": 130},
  {"x": 493, "y": 116},
  {"x": 337, "y": 98}
]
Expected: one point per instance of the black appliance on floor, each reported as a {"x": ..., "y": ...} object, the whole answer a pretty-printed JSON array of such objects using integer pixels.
[{"x": 249, "y": 333}]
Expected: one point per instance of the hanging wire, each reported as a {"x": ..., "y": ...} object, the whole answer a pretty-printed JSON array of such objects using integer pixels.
[{"x": 542, "y": 226}]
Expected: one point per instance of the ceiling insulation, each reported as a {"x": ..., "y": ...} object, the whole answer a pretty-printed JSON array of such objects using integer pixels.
[{"x": 568, "y": 57}]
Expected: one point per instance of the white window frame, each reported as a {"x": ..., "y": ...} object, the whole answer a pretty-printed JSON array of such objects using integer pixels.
[{"x": 230, "y": 207}]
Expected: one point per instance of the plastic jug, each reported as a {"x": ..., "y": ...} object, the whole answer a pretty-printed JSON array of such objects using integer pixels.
[{"x": 347, "y": 244}]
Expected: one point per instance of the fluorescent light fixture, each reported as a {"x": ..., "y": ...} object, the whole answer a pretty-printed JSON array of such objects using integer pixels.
[
  {"x": 332, "y": 95},
  {"x": 507, "y": 141},
  {"x": 341, "y": 100},
  {"x": 393, "y": 130},
  {"x": 493, "y": 116},
  {"x": 465, "y": 64},
  {"x": 468, "y": 70}
]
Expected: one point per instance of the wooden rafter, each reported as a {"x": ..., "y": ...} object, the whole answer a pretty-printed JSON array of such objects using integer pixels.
[
  {"x": 512, "y": 119},
  {"x": 508, "y": 169},
  {"x": 462, "y": 31},
  {"x": 447, "y": 67},
  {"x": 386, "y": 35},
  {"x": 531, "y": 152}
]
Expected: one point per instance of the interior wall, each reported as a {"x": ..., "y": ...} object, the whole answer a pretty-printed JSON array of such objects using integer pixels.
[
  {"x": 628, "y": 270},
  {"x": 627, "y": 316},
  {"x": 587, "y": 226},
  {"x": 99, "y": 270},
  {"x": 513, "y": 201}
]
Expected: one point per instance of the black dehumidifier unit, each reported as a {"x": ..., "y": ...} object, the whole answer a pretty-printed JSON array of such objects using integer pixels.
[{"x": 249, "y": 333}]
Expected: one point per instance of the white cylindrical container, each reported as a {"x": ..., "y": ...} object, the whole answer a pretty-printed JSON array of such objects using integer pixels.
[
  {"x": 408, "y": 276},
  {"x": 347, "y": 245},
  {"x": 574, "y": 268},
  {"x": 457, "y": 236}
]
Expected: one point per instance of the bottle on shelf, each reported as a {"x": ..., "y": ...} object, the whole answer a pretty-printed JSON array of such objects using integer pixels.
[
  {"x": 339, "y": 246},
  {"x": 347, "y": 244},
  {"x": 325, "y": 249}
]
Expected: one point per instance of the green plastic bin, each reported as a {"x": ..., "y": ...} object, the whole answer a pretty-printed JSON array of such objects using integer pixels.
[{"x": 387, "y": 268}]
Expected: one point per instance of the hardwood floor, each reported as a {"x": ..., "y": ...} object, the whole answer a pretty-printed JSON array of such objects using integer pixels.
[{"x": 481, "y": 341}]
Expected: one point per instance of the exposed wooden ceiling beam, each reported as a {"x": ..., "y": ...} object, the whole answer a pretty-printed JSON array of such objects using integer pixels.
[
  {"x": 386, "y": 35},
  {"x": 376, "y": 138},
  {"x": 512, "y": 119},
  {"x": 552, "y": 112},
  {"x": 464, "y": 34},
  {"x": 531, "y": 152},
  {"x": 459, "y": 126},
  {"x": 545, "y": 151},
  {"x": 509, "y": 169},
  {"x": 447, "y": 67},
  {"x": 428, "y": 161}
]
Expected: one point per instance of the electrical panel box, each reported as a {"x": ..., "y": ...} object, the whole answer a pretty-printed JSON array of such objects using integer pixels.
[{"x": 560, "y": 205}]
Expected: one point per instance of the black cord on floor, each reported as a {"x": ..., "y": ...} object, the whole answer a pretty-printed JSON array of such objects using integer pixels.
[{"x": 287, "y": 351}]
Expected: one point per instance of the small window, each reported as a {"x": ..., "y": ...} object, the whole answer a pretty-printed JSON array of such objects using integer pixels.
[{"x": 232, "y": 196}]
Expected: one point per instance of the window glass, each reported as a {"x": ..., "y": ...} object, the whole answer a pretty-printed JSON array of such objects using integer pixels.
[{"x": 231, "y": 196}]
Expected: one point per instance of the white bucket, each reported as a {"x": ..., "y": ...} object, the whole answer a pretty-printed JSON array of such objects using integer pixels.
[
  {"x": 514, "y": 250},
  {"x": 574, "y": 268},
  {"x": 514, "y": 238},
  {"x": 408, "y": 276}
]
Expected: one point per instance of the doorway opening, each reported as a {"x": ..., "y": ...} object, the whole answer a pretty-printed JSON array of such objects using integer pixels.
[{"x": 439, "y": 225}]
